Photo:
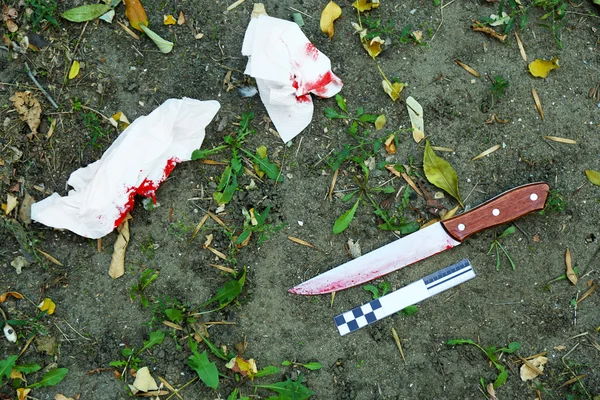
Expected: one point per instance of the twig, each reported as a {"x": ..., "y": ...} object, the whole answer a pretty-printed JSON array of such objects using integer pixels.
[
  {"x": 465, "y": 200},
  {"x": 50, "y": 99},
  {"x": 572, "y": 373},
  {"x": 303, "y": 13},
  {"x": 183, "y": 387},
  {"x": 75, "y": 330},
  {"x": 441, "y": 22},
  {"x": 398, "y": 343}
]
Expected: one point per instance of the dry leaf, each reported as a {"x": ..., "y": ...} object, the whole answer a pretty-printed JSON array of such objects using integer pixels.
[
  {"x": 541, "y": 68},
  {"x": 491, "y": 391},
  {"x": 22, "y": 393},
  {"x": 11, "y": 203},
  {"x": 390, "y": 144},
  {"x": 300, "y": 241},
  {"x": 169, "y": 20},
  {"x": 527, "y": 373},
  {"x": 373, "y": 46},
  {"x": 60, "y": 396},
  {"x": 11, "y": 26},
  {"x": 16, "y": 295},
  {"x": 570, "y": 273},
  {"x": 28, "y": 108},
  {"x": 74, "y": 71},
  {"x": 488, "y": 151},
  {"x": 243, "y": 366},
  {"x": 560, "y": 139},
  {"x": 538, "y": 103},
  {"x": 117, "y": 264},
  {"x": 365, "y": 5},
  {"x": 257, "y": 10},
  {"x": 181, "y": 18},
  {"x": 51, "y": 129},
  {"x": 560, "y": 347},
  {"x": 50, "y": 258},
  {"x": 354, "y": 248},
  {"x": 446, "y": 149},
  {"x": 217, "y": 253},
  {"x": 450, "y": 213},
  {"x": 415, "y": 112},
  {"x": 208, "y": 241},
  {"x": 380, "y": 122},
  {"x": 521, "y": 48},
  {"x": 135, "y": 13},
  {"x": 144, "y": 382},
  {"x": 330, "y": 13},
  {"x": 393, "y": 89},
  {"x": 467, "y": 68},
  {"x": 587, "y": 293},
  {"x": 478, "y": 27},
  {"x": 235, "y": 4},
  {"x": 47, "y": 305},
  {"x": 25, "y": 209}
]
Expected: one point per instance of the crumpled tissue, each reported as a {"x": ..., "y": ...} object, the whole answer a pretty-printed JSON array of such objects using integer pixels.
[
  {"x": 287, "y": 68},
  {"x": 135, "y": 164}
]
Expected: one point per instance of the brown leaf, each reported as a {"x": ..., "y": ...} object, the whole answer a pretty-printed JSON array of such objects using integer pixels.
[
  {"x": 560, "y": 139},
  {"x": 538, "y": 103},
  {"x": 478, "y": 27},
  {"x": 467, "y": 68},
  {"x": 570, "y": 273},
  {"x": 16, "y": 295},
  {"x": 135, "y": 13},
  {"x": 117, "y": 264},
  {"x": 521, "y": 48},
  {"x": 28, "y": 108},
  {"x": 300, "y": 241}
]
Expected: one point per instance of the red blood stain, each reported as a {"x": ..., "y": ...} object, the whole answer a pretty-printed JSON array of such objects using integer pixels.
[
  {"x": 303, "y": 99},
  {"x": 312, "y": 51},
  {"x": 147, "y": 189}
]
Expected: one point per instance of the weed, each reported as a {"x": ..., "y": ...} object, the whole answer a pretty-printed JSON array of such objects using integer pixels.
[
  {"x": 255, "y": 222},
  {"x": 376, "y": 28},
  {"x": 498, "y": 88},
  {"x": 555, "y": 12},
  {"x": 492, "y": 354},
  {"x": 43, "y": 10},
  {"x": 148, "y": 276},
  {"x": 498, "y": 247},
  {"x": 382, "y": 289},
  {"x": 131, "y": 356},
  {"x": 313, "y": 366},
  {"x": 179, "y": 229},
  {"x": 96, "y": 133},
  {"x": 555, "y": 203}
]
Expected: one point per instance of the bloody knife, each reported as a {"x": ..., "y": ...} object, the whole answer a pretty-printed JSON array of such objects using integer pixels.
[{"x": 428, "y": 241}]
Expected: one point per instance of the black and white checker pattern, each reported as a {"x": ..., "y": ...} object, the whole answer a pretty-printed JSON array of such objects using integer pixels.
[{"x": 358, "y": 317}]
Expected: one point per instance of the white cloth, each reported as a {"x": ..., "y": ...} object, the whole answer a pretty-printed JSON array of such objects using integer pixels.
[
  {"x": 287, "y": 68},
  {"x": 136, "y": 163}
]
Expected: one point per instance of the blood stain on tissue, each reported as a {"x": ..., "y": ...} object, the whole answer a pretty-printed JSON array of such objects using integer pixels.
[
  {"x": 147, "y": 188},
  {"x": 311, "y": 51},
  {"x": 318, "y": 86}
]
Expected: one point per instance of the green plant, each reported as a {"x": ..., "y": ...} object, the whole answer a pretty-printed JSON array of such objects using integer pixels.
[
  {"x": 255, "y": 222},
  {"x": 8, "y": 368},
  {"x": 228, "y": 182},
  {"x": 289, "y": 389},
  {"x": 313, "y": 366},
  {"x": 376, "y": 28},
  {"x": 43, "y": 10},
  {"x": 131, "y": 356},
  {"x": 555, "y": 12},
  {"x": 148, "y": 247},
  {"x": 228, "y": 292},
  {"x": 498, "y": 88},
  {"x": 498, "y": 247},
  {"x": 207, "y": 371},
  {"x": 137, "y": 289},
  {"x": 492, "y": 354},
  {"x": 96, "y": 133},
  {"x": 555, "y": 203},
  {"x": 382, "y": 289}
]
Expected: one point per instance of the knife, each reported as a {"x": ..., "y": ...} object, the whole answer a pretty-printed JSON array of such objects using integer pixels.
[{"x": 433, "y": 239}]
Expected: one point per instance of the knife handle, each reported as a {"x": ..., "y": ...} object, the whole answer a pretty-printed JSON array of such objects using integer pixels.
[{"x": 504, "y": 208}]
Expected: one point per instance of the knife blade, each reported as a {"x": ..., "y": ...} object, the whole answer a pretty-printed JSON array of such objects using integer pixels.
[{"x": 431, "y": 240}]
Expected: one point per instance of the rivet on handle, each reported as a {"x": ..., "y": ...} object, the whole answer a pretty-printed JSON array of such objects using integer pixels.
[
  {"x": 461, "y": 227},
  {"x": 533, "y": 197},
  {"x": 495, "y": 212}
]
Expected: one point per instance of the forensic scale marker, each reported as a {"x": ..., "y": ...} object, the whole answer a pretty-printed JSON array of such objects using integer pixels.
[{"x": 422, "y": 289}]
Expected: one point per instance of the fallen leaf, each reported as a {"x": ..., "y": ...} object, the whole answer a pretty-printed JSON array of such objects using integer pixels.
[
  {"x": 450, "y": 213},
  {"x": 60, "y": 396},
  {"x": 28, "y": 108},
  {"x": 163, "y": 45},
  {"x": 330, "y": 13},
  {"x": 74, "y": 71},
  {"x": 491, "y": 391},
  {"x": 541, "y": 68},
  {"x": 570, "y": 273},
  {"x": 181, "y": 18},
  {"x": 47, "y": 305},
  {"x": 86, "y": 12},
  {"x": 380, "y": 122},
  {"x": 536, "y": 238},
  {"x": 587, "y": 293},
  {"x": 573, "y": 380},
  {"x": 208, "y": 241},
  {"x": 243, "y": 366},
  {"x": 22, "y": 393},
  {"x": 593, "y": 176},
  {"x": 467, "y": 68},
  {"x": 11, "y": 26},
  {"x": 527, "y": 373},
  {"x": 521, "y": 48},
  {"x": 390, "y": 144},
  {"x": 117, "y": 264},
  {"x": 478, "y": 27},
  {"x": 169, "y": 20},
  {"x": 488, "y": 151},
  {"x": 235, "y": 4},
  {"x": 560, "y": 347},
  {"x": 19, "y": 263},
  {"x": 11, "y": 203},
  {"x": 25, "y": 209},
  {"x": 51, "y": 129},
  {"x": 538, "y": 103},
  {"x": 354, "y": 248},
  {"x": 373, "y": 46},
  {"x": 4, "y": 295},
  {"x": 46, "y": 344},
  {"x": 144, "y": 382},
  {"x": 417, "y": 35},
  {"x": 440, "y": 173},
  {"x": 393, "y": 89},
  {"x": 300, "y": 241},
  {"x": 365, "y": 5},
  {"x": 446, "y": 149},
  {"x": 415, "y": 112},
  {"x": 135, "y": 13},
  {"x": 49, "y": 257},
  {"x": 560, "y": 139},
  {"x": 14, "y": 374}
]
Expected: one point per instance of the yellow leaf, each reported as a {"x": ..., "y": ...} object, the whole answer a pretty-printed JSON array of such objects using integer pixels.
[
  {"x": 47, "y": 305},
  {"x": 560, "y": 139},
  {"x": 117, "y": 264},
  {"x": 390, "y": 144},
  {"x": 393, "y": 89},
  {"x": 330, "y": 13},
  {"x": 135, "y": 13},
  {"x": 373, "y": 46},
  {"x": 380, "y": 122},
  {"x": 541, "y": 68},
  {"x": 415, "y": 112},
  {"x": 365, "y": 5},
  {"x": 74, "y": 71},
  {"x": 487, "y": 152},
  {"x": 568, "y": 263},
  {"x": 11, "y": 203},
  {"x": 16, "y": 295},
  {"x": 22, "y": 393},
  {"x": 243, "y": 366},
  {"x": 593, "y": 176},
  {"x": 169, "y": 20},
  {"x": 440, "y": 173}
]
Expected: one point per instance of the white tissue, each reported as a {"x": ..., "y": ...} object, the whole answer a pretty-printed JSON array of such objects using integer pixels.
[
  {"x": 136, "y": 163},
  {"x": 287, "y": 68}
]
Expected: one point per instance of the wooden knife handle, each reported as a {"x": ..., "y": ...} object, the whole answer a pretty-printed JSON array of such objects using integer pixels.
[{"x": 504, "y": 208}]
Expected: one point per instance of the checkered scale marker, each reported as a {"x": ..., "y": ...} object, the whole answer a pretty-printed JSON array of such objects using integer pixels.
[{"x": 422, "y": 289}]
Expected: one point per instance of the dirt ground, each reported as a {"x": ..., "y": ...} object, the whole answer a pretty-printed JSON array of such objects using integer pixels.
[{"x": 96, "y": 318}]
